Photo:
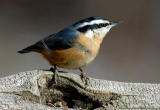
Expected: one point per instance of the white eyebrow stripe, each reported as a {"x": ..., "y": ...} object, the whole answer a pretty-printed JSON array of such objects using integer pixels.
[{"x": 93, "y": 22}]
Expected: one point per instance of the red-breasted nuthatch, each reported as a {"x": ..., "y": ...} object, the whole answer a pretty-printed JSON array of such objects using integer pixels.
[{"x": 75, "y": 46}]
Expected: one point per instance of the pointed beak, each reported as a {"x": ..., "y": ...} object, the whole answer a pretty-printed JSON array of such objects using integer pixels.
[{"x": 115, "y": 23}]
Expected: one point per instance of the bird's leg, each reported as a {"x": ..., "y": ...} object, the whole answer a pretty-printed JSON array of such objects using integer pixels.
[
  {"x": 53, "y": 80},
  {"x": 84, "y": 76},
  {"x": 55, "y": 73}
]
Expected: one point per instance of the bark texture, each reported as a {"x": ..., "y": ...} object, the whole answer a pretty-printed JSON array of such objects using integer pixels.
[{"x": 29, "y": 91}]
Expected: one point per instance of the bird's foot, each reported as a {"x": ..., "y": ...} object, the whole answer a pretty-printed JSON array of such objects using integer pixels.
[
  {"x": 54, "y": 77},
  {"x": 84, "y": 78}
]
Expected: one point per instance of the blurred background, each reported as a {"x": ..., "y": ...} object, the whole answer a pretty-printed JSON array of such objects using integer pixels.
[{"x": 130, "y": 52}]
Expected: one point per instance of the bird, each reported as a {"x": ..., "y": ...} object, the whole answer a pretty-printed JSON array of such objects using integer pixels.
[{"x": 75, "y": 46}]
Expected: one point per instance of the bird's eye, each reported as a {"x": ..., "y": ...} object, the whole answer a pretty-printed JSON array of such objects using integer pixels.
[
  {"x": 102, "y": 25},
  {"x": 105, "y": 24}
]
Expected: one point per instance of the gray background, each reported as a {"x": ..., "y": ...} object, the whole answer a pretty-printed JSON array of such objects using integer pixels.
[{"x": 130, "y": 52}]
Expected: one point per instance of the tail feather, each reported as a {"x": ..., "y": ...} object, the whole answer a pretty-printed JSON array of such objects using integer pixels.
[{"x": 28, "y": 49}]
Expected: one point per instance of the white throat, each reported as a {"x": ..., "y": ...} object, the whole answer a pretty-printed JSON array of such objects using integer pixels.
[{"x": 100, "y": 32}]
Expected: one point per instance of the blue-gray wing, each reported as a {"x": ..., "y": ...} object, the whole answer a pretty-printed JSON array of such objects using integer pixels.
[{"x": 62, "y": 40}]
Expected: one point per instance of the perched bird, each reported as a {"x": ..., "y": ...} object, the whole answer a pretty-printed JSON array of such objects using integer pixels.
[{"x": 75, "y": 46}]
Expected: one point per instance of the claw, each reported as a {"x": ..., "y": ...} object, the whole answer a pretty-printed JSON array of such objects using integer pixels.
[
  {"x": 84, "y": 77},
  {"x": 53, "y": 80}
]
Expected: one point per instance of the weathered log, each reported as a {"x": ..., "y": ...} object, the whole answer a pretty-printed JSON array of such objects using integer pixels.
[{"x": 29, "y": 90}]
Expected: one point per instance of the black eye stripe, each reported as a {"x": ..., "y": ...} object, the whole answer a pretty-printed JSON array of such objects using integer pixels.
[{"x": 94, "y": 26}]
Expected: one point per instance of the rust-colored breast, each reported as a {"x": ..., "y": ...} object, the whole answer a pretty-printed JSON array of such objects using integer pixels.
[
  {"x": 68, "y": 58},
  {"x": 74, "y": 57},
  {"x": 92, "y": 45}
]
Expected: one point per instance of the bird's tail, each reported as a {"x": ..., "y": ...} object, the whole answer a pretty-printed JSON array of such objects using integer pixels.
[{"x": 28, "y": 49}]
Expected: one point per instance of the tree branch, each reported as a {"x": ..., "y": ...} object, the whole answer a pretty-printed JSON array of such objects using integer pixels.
[{"x": 29, "y": 90}]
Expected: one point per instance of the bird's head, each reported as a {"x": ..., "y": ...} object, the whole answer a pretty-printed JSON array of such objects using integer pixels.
[{"x": 94, "y": 25}]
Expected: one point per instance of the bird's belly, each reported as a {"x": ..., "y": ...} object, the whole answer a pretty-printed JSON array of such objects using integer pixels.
[{"x": 71, "y": 58}]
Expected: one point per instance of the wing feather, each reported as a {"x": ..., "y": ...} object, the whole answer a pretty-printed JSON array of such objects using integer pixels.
[{"x": 62, "y": 40}]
